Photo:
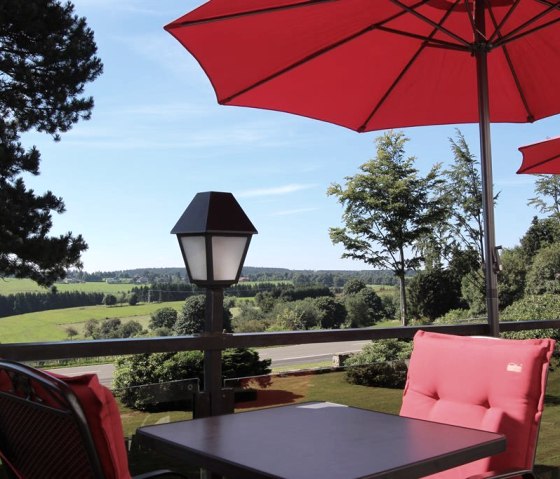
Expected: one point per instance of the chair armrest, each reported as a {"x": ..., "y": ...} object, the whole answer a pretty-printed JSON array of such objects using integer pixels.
[
  {"x": 160, "y": 473},
  {"x": 526, "y": 474}
]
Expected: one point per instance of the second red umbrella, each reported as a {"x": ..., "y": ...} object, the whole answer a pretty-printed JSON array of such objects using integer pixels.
[{"x": 541, "y": 158}]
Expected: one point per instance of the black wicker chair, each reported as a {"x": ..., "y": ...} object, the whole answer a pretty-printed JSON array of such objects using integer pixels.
[{"x": 44, "y": 431}]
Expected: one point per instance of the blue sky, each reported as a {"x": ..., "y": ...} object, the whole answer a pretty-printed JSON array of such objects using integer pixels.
[{"x": 157, "y": 137}]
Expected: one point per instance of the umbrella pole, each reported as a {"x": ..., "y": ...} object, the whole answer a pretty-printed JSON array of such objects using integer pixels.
[{"x": 489, "y": 259}]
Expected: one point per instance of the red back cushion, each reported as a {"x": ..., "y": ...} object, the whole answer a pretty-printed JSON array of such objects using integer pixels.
[
  {"x": 485, "y": 383},
  {"x": 104, "y": 421}
]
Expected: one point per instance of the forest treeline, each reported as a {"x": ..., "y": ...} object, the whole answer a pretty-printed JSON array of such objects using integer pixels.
[
  {"x": 173, "y": 288},
  {"x": 21, "y": 303},
  {"x": 249, "y": 273}
]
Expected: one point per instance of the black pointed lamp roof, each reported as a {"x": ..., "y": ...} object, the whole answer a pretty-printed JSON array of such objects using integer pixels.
[{"x": 214, "y": 212}]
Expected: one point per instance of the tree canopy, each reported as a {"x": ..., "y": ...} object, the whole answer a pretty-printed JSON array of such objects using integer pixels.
[
  {"x": 547, "y": 191},
  {"x": 47, "y": 56},
  {"x": 388, "y": 207},
  {"x": 192, "y": 316}
]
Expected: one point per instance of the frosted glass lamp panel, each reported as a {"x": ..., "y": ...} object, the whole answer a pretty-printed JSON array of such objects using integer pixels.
[
  {"x": 195, "y": 252},
  {"x": 227, "y": 252}
]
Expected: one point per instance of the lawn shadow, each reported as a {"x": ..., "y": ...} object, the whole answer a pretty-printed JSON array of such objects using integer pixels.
[
  {"x": 269, "y": 397},
  {"x": 547, "y": 472}
]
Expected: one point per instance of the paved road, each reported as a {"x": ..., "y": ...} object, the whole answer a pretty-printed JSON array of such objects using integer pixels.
[
  {"x": 103, "y": 371},
  {"x": 281, "y": 356},
  {"x": 309, "y": 353}
]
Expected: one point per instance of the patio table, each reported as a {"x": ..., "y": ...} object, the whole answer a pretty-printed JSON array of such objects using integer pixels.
[{"x": 319, "y": 440}]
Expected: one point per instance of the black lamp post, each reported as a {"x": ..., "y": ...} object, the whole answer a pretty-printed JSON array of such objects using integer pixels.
[{"x": 214, "y": 235}]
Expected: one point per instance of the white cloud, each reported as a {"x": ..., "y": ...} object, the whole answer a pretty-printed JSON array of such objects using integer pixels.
[
  {"x": 293, "y": 212},
  {"x": 277, "y": 190}
]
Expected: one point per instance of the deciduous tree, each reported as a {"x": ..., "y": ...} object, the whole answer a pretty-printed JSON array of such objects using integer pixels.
[
  {"x": 541, "y": 233},
  {"x": 191, "y": 317},
  {"x": 547, "y": 199},
  {"x": 544, "y": 274},
  {"x": 388, "y": 206}
]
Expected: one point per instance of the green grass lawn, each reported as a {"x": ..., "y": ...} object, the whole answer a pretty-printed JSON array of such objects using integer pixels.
[
  {"x": 390, "y": 323},
  {"x": 383, "y": 289},
  {"x": 51, "y": 325}
]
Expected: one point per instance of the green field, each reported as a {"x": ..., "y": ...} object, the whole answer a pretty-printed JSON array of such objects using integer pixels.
[
  {"x": 383, "y": 289},
  {"x": 51, "y": 325},
  {"x": 13, "y": 286},
  {"x": 275, "y": 282}
]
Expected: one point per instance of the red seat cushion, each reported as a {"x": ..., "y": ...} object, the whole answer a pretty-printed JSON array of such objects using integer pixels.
[
  {"x": 484, "y": 383},
  {"x": 104, "y": 421}
]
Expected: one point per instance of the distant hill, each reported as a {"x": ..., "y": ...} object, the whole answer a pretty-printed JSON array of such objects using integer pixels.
[{"x": 252, "y": 273}]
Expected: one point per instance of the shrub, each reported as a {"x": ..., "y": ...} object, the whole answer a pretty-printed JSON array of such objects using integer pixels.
[
  {"x": 299, "y": 293},
  {"x": 388, "y": 375},
  {"x": 130, "y": 329},
  {"x": 364, "y": 308},
  {"x": 332, "y": 313},
  {"x": 249, "y": 319},
  {"x": 109, "y": 300},
  {"x": 381, "y": 363},
  {"x": 456, "y": 316},
  {"x": 353, "y": 286},
  {"x": 162, "y": 369},
  {"x": 192, "y": 316},
  {"x": 132, "y": 299},
  {"x": 433, "y": 293},
  {"x": 163, "y": 318},
  {"x": 545, "y": 306},
  {"x": 544, "y": 274},
  {"x": 473, "y": 291},
  {"x": 542, "y": 307},
  {"x": 512, "y": 278}
]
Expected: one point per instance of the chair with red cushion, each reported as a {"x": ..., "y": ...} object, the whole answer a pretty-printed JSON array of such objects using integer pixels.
[
  {"x": 56, "y": 427},
  {"x": 483, "y": 383}
]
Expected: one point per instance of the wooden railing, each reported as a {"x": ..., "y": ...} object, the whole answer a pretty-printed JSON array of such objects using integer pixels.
[
  {"x": 214, "y": 399},
  {"x": 220, "y": 341}
]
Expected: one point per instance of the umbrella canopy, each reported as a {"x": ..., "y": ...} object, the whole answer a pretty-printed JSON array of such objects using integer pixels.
[
  {"x": 378, "y": 64},
  {"x": 541, "y": 158}
]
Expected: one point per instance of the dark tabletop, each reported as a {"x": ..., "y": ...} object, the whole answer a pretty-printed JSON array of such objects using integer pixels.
[{"x": 320, "y": 441}]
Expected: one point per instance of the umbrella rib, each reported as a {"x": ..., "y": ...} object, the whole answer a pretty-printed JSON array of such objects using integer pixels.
[
  {"x": 549, "y": 3},
  {"x": 313, "y": 55},
  {"x": 432, "y": 41},
  {"x": 511, "y": 38},
  {"x": 298, "y": 63},
  {"x": 437, "y": 26},
  {"x": 539, "y": 163},
  {"x": 402, "y": 73},
  {"x": 519, "y": 32},
  {"x": 498, "y": 28},
  {"x": 229, "y": 16},
  {"x": 530, "y": 116}
]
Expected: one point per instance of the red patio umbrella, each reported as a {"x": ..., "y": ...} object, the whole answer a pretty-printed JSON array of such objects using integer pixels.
[
  {"x": 378, "y": 64},
  {"x": 541, "y": 158}
]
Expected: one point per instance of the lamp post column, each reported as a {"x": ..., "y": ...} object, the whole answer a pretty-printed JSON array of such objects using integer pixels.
[{"x": 214, "y": 325}]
